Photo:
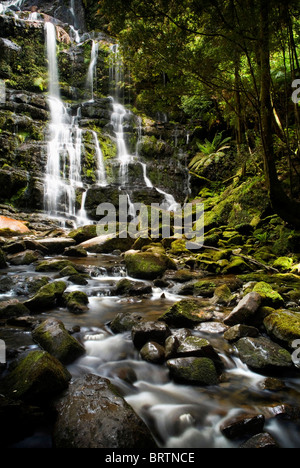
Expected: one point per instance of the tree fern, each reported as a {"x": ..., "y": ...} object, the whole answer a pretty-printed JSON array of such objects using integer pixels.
[{"x": 210, "y": 150}]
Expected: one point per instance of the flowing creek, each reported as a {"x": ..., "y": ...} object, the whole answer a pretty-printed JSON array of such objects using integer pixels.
[{"x": 179, "y": 416}]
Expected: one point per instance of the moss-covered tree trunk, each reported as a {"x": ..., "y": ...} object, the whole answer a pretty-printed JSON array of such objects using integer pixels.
[{"x": 285, "y": 207}]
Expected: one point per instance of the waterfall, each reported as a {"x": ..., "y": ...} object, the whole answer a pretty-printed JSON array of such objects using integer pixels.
[
  {"x": 92, "y": 68},
  {"x": 11, "y": 5},
  {"x": 101, "y": 176},
  {"x": 117, "y": 120},
  {"x": 63, "y": 173}
]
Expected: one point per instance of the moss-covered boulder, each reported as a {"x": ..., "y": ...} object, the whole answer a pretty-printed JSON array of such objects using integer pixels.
[
  {"x": 263, "y": 355},
  {"x": 24, "y": 258},
  {"x": 36, "y": 378},
  {"x": 223, "y": 296},
  {"x": 53, "y": 337},
  {"x": 76, "y": 252},
  {"x": 13, "y": 308},
  {"x": 245, "y": 310},
  {"x": 47, "y": 297},
  {"x": 146, "y": 265},
  {"x": 108, "y": 244},
  {"x": 240, "y": 331},
  {"x": 146, "y": 332},
  {"x": 284, "y": 326},
  {"x": 193, "y": 371},
  {"x": 186, "y": 313},
  {"x": 194, "y": 346},
  {"x": 77, "y": 302},
  {"x": 84, "y": 233},
  {"x": 270, "y": 297}
]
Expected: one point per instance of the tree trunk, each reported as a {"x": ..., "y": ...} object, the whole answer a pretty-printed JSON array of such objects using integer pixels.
[{"x": 285, "y": 207}]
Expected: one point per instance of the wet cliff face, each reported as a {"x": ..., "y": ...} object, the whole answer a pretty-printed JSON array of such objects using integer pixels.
[{"x": 25, "y": 113}]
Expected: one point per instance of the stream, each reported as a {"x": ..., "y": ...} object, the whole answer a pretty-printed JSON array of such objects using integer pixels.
[{"x": 179, "y": 416}]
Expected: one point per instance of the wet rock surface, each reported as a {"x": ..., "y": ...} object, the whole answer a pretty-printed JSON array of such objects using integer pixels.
[{"x": 94, "y": 415}]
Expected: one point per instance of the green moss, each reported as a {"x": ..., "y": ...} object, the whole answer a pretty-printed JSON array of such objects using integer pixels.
[
  {"x": 50, "y": 266},
  {"x": 147, "y": 265},
  {"x": 178, "y": 247},
  {"x": 270, "y": 298},
  {"x": 236, "y": 266},
  {"x": 46, "y": 298},
  {"x": 197, "y": 371},
  {"x": 283, "y": 264},
  {"x": 284, "y": 326},
  {"x": 186, "y": 313}
]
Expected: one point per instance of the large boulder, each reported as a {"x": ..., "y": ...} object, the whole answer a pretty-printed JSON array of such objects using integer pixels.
[
  {"x": 147, "y": 265},
  {"x": 242, "y": 426},
  {"x": 245, "y": 310},
  {"x": 283, "y": 325},
  {"x": 93, "y": 415},
  {"x": 125, "y": 321},
  {"x": 261, "y": 354},
  {"x": 47, "y": 297},
  {"x": 52, "y": 336},
  {"x": 36, "y": 378},
  {"x": 186, "y": 313},
  {"x": 56, "y": 245}
]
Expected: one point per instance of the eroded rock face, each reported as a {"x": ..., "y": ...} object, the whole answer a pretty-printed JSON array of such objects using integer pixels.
[{"x": 93, "y": 415}]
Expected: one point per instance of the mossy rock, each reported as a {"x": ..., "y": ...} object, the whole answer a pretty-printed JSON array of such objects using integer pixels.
[
  {"x": 52, "y": 336},
  {"x": 124, "y": 322},
  {"x": 147, "y": 265},
  {"x": 193, "y": 371},
  {"x": 179, "y": 247},
  {"x": 84, "y": 233},
  {"x": 53, "y": 265},
  {"x": 36, "y": 378},
  {"x": 47, "y": 297},
  {"x": 77, "y": 302},
  {"x": 205, "y": 288},
  {"x": 223, "y": 295},
  {"x": 13, "y": 308},
  {"x": 186, "y": 313},
  {"x": 35, "y": 284},
  {"x": 270, "y": 297},
  {"x": 283, "y": 264},
  {"x": 236, "y": 266},
  {"x": 68, "y": 271},
  {"x": 284, "y": 326}
]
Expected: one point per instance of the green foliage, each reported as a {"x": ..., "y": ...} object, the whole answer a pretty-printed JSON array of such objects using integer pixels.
[{"x": 210, "y": 150}]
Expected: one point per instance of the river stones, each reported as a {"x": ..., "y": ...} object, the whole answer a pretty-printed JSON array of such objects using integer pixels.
[
  {"x": 3, "y": 263},
  {"x": 124, "y": 322},
  {"x": 246, "y": 309},
  {"x": 52, "y": 336},
  {"x": 93, "y": 415},
  {"x": 193, "y": 371},
  {"x": 126, "y": 287},
  {"x": 270, "y": 297},
  {"x": 77, "y": 302},
  {"x": 242, "y": 426},
  {"x": 240, "y": 331},
  {"x": 153, "y": 352},
  {"x": 264, "y": 440},
  {"x": 261, "y": 354},
  {"x": 186, "y": 313},
  {"x": 56, "y": 245},
  {"x": 146, "y": 332}
]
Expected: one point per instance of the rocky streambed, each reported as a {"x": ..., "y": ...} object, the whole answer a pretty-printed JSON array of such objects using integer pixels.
[{"x": 144, "y": 344}]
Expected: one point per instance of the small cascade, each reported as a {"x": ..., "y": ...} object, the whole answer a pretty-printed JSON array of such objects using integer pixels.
[
  {"x": 117, "y": 120},
  {"x": 11, "y": 6},
  {"x": 92, "y": 68},
  {"x": 82, "y": 217},
  {"x": 101, "y": 175}
]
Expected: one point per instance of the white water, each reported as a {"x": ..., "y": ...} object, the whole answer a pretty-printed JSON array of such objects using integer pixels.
[
  {"x": 117, "y": 120},
  {"x": 101, "y": 175},
  {"x": 10, "y": 5},
  {"x": 92, "y": 69},
  {"x": 63, "y": 173},
  {"x": 82, "y": 217}
]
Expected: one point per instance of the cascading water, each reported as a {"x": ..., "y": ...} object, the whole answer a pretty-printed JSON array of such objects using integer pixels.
[
  {"x": 12, "y": 5},
  {"x": 64, "y": 146},
  {"x": 92, "y": 68}
]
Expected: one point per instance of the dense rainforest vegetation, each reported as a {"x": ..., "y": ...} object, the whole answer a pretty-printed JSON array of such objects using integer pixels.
[{"x": 227, "y": 66}]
